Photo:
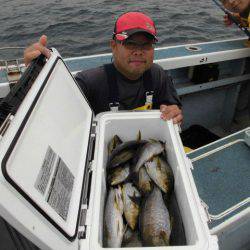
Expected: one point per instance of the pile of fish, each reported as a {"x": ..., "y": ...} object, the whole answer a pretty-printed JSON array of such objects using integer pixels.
[{"x": 138, "y": 177}]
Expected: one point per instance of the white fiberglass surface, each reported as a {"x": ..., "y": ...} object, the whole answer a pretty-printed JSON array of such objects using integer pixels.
[
  {"x": 126, "y": 126},
  {"x": 60, "y": 121}
]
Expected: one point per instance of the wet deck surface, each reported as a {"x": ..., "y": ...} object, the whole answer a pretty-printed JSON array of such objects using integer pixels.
[{"x": 221, "y": 174}]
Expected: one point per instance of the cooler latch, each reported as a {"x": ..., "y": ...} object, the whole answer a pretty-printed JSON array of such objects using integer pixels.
[
  {"x": 206, "y": 207},
  {"x": 247, "y": 137}
]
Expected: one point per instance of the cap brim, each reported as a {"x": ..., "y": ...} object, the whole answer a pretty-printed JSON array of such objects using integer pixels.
[{"x": 122, "y": 37}]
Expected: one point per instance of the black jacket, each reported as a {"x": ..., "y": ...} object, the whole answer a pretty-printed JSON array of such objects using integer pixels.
[{"x": 94, "y": 84}]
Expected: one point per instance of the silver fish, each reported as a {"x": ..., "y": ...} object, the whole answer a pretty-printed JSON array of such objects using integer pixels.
[
  {"x": 154, "y": 220},
  {"x": 145, "y": 184},
  {"x": 119, "y": 174},
  {"x": 124, "y": 152},
  {"x": 148, "y": 151},
  {"x": 113, "y": 221},
  {"x": 161, "y": 173},
  {"x": 131, "y": 197},
  {"x": 113, "y": 144},
  {"x": 121, "y": 158}
]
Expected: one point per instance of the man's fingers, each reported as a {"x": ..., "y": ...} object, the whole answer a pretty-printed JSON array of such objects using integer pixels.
[
  {"x": 43, "y": 40},
  {"x": 178, "y": 119},
  {"x": 36, "y": 49},
  {"x": 45, "y": 51},
  {"x": 30, "y": 56},
  {"x": 171, "y": 112}
]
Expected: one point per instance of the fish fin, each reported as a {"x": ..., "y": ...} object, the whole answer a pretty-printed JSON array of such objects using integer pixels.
[
  {"x": 118, "y": 140},
  {"x": 138, "y": 138},
  {"x": 118, "y": 227},
  {"x": 116, "y": 203},
  {"x": 152, "y": 140},
  {"x": 163, "y": 155},
  {"x": 135, "y": 199},
  {"x": 125, "y": 229},
  {"x": 165, "y": 237},
  {"x": 163, "y": 143},
  {"x": 119, "y": 202},
  {"x": 158, "y": 163}
]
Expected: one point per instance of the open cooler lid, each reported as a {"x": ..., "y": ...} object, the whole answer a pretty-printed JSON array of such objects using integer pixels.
[
  {"x": 221, "y": 175},
  {"x": 45, "y": 149}
]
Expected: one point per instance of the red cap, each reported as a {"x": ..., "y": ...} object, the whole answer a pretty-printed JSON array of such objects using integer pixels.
[{"x": 131, "y": 23}]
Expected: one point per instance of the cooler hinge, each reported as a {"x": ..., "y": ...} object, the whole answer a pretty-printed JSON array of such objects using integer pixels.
[
  {"x": 85, "y": 202},
  {"x": 91, "y": 149},
  {"x": 93, "y": 127},
  {"x": 87, "y": 184},
  {"x": 82, "y": 224}
]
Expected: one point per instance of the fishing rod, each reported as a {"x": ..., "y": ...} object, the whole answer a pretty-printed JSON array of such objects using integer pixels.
[{"x": 232, "y": 18}]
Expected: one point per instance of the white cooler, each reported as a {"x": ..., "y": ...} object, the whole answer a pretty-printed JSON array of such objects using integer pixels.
[{"x": 53, "y": 157}]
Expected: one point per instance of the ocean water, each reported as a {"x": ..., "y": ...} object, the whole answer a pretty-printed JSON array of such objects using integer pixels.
[{"x": 77, "y": 27}]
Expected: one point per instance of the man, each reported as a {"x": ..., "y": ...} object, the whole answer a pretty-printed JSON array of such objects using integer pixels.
[
  {"x": 132, "y": 81},
  {"x": 240, "y": 9}
]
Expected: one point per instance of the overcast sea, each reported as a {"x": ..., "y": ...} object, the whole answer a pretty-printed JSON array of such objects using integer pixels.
[{"x": 77, "y": 28}]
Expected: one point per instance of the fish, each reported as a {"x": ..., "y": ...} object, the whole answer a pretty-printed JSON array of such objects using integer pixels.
[
  {"x": 116, "y": 140},
  {"x": 144, "y": 181},
  {"x": 119, "y": 174},
  {"x": 154, "y": 221},
  {"x": 131, "y": 239},
  {"x": 131, "y": 199},
  {"x": 124, "y": 152},
  {"x": 161, "y": 173},
  {"x": 147, "y": 152},
  {"x": 121, "y": 158},
  {"x": 114, "y": 227}
]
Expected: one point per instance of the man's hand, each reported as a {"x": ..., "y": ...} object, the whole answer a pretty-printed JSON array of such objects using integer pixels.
[
  {"x": 36, "y": 49},
  {"x": 228, "y": 21},
  {"x": 171, "y": 112}
]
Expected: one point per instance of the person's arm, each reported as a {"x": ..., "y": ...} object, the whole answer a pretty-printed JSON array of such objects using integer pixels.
[
  {"x": 82, "y": 80},
  {"x": 36, "y": 49}
]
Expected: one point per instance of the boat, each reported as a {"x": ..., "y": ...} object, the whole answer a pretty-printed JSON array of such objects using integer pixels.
[{"x": 213, "y": 82}]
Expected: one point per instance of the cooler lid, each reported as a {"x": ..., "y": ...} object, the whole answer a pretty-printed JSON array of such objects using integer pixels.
[
  {"x": 44, "y": 151},
  {"x": 221, "y": 174}
]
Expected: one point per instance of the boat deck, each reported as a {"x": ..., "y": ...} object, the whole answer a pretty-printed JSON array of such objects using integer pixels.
[{"x": 221, "y": 173}]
